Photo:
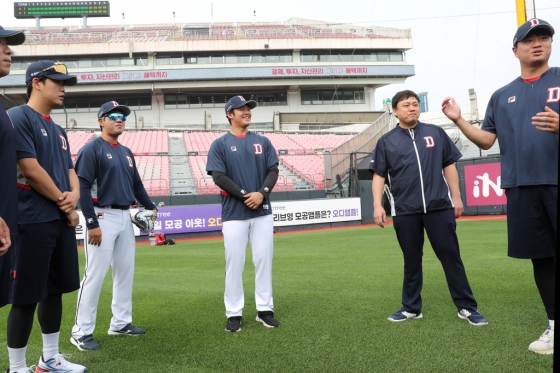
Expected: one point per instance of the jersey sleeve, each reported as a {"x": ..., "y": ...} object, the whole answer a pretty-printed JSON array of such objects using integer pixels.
[
  {"x": 216, "y": 161},
  {"x": 86, "y": 164},
  {"x": 450, "y": 152},
  {"x": 25, "y": 138},
  {"x": 271, "y": 156},
  {"x": 378, "y": 163},
  {"x": 139, "y": 191},
  {"x": 489, "y": 125},
  {"x": 70, "y": 163}
]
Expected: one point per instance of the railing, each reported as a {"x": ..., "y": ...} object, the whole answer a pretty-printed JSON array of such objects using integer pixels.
[{"x": 337, "y": 161}]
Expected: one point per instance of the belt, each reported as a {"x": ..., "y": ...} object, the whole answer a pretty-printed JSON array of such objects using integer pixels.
[{"x": 115, "y": 207}]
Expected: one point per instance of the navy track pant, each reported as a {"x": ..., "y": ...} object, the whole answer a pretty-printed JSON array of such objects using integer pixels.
[{"x": 440, "y": 228}]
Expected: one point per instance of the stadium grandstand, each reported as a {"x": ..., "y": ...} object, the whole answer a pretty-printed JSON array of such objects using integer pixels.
[{"x": 315, "y": 84}]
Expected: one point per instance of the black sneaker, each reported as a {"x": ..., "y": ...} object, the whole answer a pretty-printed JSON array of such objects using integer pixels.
[
  {"x": 233, "y": 324},
  {"x": 267, "y": 319},
  {"x": 129, "y": 329},
  {"x": 85, "y": 343}
]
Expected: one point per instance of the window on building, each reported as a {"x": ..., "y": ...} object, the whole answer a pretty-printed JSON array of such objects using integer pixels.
[
  {"x": 183, "y": 100},
  {"x": 423, "y": 101},
  {"x": 332, "y": 96}
]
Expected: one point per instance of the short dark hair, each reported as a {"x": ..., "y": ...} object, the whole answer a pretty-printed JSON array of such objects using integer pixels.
[
  {"x": 30, "y": 86},
  {"x": 403, "y": 95}
]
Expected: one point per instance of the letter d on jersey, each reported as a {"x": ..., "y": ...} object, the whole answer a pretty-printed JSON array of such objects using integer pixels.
[
  {"x": 553, "y": 95},
  {"x": 429, "y": 141},
  {"x": 258, "y": 148}
]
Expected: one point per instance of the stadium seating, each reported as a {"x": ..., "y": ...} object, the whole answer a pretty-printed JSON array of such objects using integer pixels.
[
  {"x": 77, "y": 140},
  {"x": 303, "y": 163},
  {"x": 154, "y": 172},
  {"x": 146, "y": 142}
]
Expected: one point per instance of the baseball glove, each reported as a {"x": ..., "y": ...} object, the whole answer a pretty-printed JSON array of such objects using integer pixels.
[{"x": 144, "y": 220}]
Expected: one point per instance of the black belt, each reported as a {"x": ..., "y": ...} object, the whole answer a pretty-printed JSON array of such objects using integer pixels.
[{"x": 116, "y": 207}]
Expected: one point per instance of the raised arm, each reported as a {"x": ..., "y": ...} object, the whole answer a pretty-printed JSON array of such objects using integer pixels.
[{"x": 480, "y": 138}]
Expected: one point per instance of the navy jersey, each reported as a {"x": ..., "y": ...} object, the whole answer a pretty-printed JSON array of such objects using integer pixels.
[
  {"x": 37, "y": 136},
  {"x": 528, "y": 156},
  {"x": 110, "y": 173},
  {"x": 413, "y": 161},
  {"x": 244, "y": 159},
  {"x": 8, "y": 172}
]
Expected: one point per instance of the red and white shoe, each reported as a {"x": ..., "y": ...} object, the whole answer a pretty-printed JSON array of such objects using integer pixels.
[{"x": 58, "y": 364}]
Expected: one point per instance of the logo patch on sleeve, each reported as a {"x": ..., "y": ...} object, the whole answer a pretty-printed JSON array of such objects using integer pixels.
[
  {"x": 100, "y": 215},
  {"x": 109, "y": 156},
  {"x": 511, "y": 99},
  {"x": 265, "y": 207},
  {"x": 233, "y": 149},
  {"x": 44, "y": 132}
]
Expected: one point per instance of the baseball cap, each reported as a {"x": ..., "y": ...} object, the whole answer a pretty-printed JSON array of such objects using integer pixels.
[
  {"x": 112, "y": 106},
  {"x": 51, "y": 70},
  {"x": 13, "y": 37},
  {"x": 237, "y": 102},
  {"x": 530, "y": 25}
]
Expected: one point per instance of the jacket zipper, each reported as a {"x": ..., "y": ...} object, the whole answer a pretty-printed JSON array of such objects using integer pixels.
[{"x": 411, "y": 132}]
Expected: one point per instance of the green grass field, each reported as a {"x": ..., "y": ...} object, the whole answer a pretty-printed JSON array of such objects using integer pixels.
[{"x": 333, "y": 291}]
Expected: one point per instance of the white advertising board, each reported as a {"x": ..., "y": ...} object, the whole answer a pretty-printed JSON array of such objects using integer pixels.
[{"x": 316, "y": 211}]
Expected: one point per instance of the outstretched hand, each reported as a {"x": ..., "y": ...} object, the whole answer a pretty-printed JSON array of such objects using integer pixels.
[
  {"x": 451, "y": 109},
  {"x": 546, "y": 121}
]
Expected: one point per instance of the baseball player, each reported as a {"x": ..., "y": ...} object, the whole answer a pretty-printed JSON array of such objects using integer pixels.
[
  {"x": 109, "y": 185},
  {"x": 45, "y": 264},
  {"x": 523, "y": 115},
  {"x": 419, "y": 161},
  {"x": 245, "y": 166},
  {"x": 8, "y": 169}
]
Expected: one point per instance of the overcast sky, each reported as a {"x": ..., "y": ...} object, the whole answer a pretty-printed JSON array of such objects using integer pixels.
[{"x": 457, "y": 44}]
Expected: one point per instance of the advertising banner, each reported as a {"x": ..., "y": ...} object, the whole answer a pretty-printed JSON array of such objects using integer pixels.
[
  {"x": 482, "y": 185},
  {"x": 316, "y": 211},
  {"x": 206, "y": 218}
]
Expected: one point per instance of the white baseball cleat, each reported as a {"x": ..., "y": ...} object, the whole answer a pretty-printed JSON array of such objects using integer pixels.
[
  {"x": 545, "y": 344},
  {"x": 58, "y": 364}
]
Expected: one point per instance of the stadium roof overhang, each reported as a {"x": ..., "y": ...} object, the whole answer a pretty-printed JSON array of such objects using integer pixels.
[{"x": 235, "y": 76}]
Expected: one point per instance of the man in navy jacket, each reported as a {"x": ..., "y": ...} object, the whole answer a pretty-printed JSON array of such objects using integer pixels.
[{"x": 418, "y": 160}]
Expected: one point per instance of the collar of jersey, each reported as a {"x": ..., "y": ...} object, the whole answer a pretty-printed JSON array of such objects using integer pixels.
[
  {"x": 46, "y": 117},
  {"x": 531, "y": 80}
]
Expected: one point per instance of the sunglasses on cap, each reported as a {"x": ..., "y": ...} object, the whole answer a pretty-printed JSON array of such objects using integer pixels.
[
  {"x": 57, "y": 67},
  {"x": 115, "y": 116}
]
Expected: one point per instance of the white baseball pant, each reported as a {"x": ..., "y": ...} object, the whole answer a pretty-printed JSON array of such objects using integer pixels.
[
  {"x": 259, "y": 232},
  {"x": 117, "y": 249}
]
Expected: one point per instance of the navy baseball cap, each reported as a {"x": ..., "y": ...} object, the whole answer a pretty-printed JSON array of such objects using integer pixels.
[
  {"x": 110, "y": 106},
  {"x": 530, "y": 25},
  {"x": 12, "y": 37},
  {"x": 237, "y": 102},
  {"x": 51, "y": 70}
]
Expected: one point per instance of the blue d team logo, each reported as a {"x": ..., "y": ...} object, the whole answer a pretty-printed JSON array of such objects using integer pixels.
[
  {"x": 233, "y": 149},
  {"x": 129, "y": 161},
  {"x": 109, "y": 156},
  {"x": 43, "y": 132},
  {"x": 511, "y": 99}
]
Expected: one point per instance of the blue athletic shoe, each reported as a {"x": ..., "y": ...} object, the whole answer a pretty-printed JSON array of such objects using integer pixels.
[
  {"x": 403, "y": 315},
  {"x": 473, "y": 317}
]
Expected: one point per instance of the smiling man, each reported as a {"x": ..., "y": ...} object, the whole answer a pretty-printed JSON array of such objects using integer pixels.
[
  {"x": 245, "y": 166},
  {"x": 109, "y": 185},
  {"x": 418, "y": 159},
  {"x": 524, "y": 117},
  {"x": 45, "y": 262}
]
